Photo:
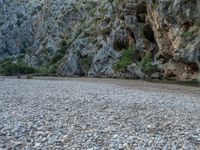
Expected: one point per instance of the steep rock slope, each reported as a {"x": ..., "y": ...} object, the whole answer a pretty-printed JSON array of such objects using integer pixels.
[
  {"x": 15, "y": 26},
  {"x": 35, "y": 28},
  {"x": 162, "y": 40},
  {"x": 111, "y": 38}
]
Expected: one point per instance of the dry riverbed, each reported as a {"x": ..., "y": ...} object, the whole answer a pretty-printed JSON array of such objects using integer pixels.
[{"x": 98, "y": 114}]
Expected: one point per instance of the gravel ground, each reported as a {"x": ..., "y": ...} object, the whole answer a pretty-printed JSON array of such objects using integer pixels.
[{"x": 74, "y": 114}]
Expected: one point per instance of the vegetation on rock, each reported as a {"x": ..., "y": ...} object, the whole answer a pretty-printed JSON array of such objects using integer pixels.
[
  {"x": 83, "y": 37},
  {"x": 10, "y": 67},
  {"x": 146, "y": 65},
  {"x": 86, "y": 63},
  {"x": 127, "y": 58}
]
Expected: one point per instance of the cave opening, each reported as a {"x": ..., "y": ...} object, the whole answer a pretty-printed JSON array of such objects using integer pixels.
[
  {"x": 195, "y": 67},
  {"x": 141, "y": 12},
  {"x": 120, "y": 45},
  {"x": 187, "y": 25},
  {"x": 120, "y": 41},
  {"x": 149, "y": 34}
]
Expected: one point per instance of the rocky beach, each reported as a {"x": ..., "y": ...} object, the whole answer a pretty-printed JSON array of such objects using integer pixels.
[{"x": 98, "y": 114}]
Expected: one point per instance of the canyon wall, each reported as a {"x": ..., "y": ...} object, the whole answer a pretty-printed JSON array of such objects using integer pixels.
[{"x": 157, "y": 39}]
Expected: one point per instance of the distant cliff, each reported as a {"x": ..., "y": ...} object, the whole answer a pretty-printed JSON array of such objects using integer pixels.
[{"x": 111, "y": 38}]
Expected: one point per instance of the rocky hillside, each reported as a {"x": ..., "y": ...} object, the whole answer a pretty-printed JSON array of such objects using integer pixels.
[{"x": 111, "y": 38}]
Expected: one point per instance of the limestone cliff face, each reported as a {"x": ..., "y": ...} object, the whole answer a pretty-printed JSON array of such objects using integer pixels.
[
  {"x": 111, "y": 38},
  {"x": 15, "y": 26},
  {"x": 35, "y": 28},
  {"x": 176, "y": 29}
]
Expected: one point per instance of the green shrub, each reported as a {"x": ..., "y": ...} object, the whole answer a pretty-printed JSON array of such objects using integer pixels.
[
  {"x": 62, "y": 47},
  {"x": 8, "y": 67},
  {"x": 127, "y": 58},
  {"x": 52, "y": 70},
  {"x": 101, "y": 10},
  {"x": 155, "y": 5},
  {"x": 44, "y": 51},
  {"x": 56, "y": 58},
  {"x": 146, "y": 65},
  {"x": 86, "y": 63},
  {"x": 110, "y": 1},
  {"x": 105, "y": 31},
  {"x": 187, "y": 34},
  {"x": 42, "y": 71}
]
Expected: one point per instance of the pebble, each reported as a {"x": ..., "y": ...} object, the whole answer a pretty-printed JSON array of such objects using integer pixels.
[
  {"x": 3, "y": 133},
  {"x": 37, "y": 144},
  {"x": 1, "y": 126},
  {"x": 72, "y": 115}
]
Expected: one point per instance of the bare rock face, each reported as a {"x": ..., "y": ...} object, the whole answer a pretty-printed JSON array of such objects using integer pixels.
[
  {"x": 111, "y": 38},
  {"x": 15, "y": 26},
  {"x": 176, "y": 30},
  {"x": 35, "y": 28},
  {"x": 166, "y": 30}
]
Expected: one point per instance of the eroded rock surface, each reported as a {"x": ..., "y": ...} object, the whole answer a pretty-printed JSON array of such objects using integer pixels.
[{"x": 164, "y": 37}]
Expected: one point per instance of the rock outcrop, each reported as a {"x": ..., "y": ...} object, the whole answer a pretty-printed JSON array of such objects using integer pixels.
[
  {"x": 112, "y": 38},
  {"x": 36, "y": 28}
]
